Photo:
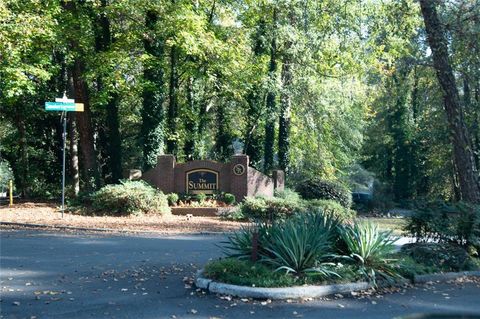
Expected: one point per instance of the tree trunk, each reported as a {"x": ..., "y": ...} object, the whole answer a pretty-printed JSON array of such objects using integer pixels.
[
  {"x": 114, "y": 139},
  {"x": 23, "y": 163},
  {"x": 253, "y": 133},
  {"x": 190, "y": 123},
  {"x": 73, "y": 141},
  {"x": 172, "y": 139},
  {"x": 284, "y": 119},
  {"x": 476, "y": 120},
  {"x": 114, "y": 143},
  {"x": 463, "y": 153},
  {"x": 83, "y": 119},
  {"x": 152, "y": 130},
  {"x": 285, "y": 105},
  {"x": 85, "y": 130},
  {"x": 271, "y": 102},
  {"x": 223, "y": 136}
]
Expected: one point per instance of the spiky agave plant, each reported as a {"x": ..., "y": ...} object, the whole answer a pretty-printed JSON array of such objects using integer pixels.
[
  {"x": 301, "y": 245},
  {"x": 240, "y": 244},
  {"x": 370, "y": 249}
]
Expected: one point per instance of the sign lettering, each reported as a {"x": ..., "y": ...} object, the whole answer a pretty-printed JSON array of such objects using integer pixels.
[{"x": 201, "y": 181}]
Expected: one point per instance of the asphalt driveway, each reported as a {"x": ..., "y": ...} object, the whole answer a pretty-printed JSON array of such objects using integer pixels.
[{"x": 65, "y": 275}]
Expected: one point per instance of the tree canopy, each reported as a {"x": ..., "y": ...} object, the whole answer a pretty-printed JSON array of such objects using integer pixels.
[{"x": 316, "y": 88}]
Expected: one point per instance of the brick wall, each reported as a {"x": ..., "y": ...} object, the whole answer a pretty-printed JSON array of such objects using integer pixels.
[{"x": 235, "y": 177}]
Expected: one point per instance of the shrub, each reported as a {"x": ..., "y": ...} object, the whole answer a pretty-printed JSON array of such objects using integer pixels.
[
  {"x": 5, "y": 176},
  {"x": 228, "y": 198},
  {"x": 269, "y": 209},
  {"x": 172, "y": 199},
  {"x": 443, "y": 222},
  {"x": 201, "y": 197},
  {"x": 370, "y": 249},
  {"x": 330, "y": 208},
  {"x": 320, "y": 189},
  {"x": 409, "y": 267},
  {"x": 234, "y": 214},
  {"x": 444, "y": 256},
  {"x": 129, "y": 197},
  {"x": 288, "y": 194},
  {"x": 254, "y": 207}
]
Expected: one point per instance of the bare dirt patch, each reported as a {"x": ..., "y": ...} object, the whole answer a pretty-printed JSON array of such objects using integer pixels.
[{"x": 48, "y": 214}]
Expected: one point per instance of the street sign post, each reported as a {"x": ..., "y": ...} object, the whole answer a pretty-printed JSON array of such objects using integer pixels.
[{"x": 64, "y": 105}]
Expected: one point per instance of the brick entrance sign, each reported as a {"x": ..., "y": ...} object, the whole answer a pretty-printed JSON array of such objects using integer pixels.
[{"x": 209, "y": 177}]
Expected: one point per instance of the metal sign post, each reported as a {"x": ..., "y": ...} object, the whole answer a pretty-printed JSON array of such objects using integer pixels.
[
  {"x": 65, "y": 105},
  {"x": 64, "y": 116}
]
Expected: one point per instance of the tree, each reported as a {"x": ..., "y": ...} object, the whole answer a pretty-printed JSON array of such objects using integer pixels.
[
  {"x": 152, "y": 128},
  {"x": 463, "y": 154},
  {"x": 271, "y": 109}
]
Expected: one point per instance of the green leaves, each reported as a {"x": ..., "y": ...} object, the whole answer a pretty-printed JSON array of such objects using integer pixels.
[
  {"x": 299, "y": 244},
  {"x": 369, "y": 248}
]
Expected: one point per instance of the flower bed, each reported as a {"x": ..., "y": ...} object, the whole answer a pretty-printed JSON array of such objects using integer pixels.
[{"x": 317, "y": 249}]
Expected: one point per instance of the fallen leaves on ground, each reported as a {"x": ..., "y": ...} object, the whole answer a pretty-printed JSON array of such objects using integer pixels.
[{"x": 44, "y": 213}]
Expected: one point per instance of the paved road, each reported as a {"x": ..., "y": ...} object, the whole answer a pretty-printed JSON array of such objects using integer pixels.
[{"x": 59, "y": 275}]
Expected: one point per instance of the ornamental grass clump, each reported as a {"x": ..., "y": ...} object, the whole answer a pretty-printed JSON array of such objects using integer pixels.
[
  {"x": 370, "y": 249},
  {"x": 301, "y": 245},
  {"x": 242, "y": 245}
]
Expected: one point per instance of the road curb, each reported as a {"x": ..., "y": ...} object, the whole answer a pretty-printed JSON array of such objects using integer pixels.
[
  {"x": 103, "y": 230},
  {"x": 298, "y": 292},
  {"x": 282, "y": 293}
]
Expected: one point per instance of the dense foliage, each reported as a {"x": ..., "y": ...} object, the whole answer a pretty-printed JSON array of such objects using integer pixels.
[
  {"x": 313, "y": 243},
  {"x": 129, "y": 197},
  {"x": 370, "y": 249},
  {"x": 269, "y": 209},
  {"x": 442, "y": 222},
  {"x": 319, "y": 189},
  {"x": 314, "y": 88},
  {"x": 330, "y": 208},
  {"x": 442, "y": 257},
  {"x": 290, "y": 204}
]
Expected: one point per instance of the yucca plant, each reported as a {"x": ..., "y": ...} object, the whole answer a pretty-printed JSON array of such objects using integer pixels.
[
  {"x": 240, "y": 243},
  {"x": 301, "y": 244},
  {"x": 370, "y": 249}
]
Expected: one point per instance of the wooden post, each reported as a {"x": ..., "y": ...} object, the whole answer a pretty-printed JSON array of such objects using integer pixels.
[
  {"x": 254, "y": 256},
  {"x": 11, "y": 192}
]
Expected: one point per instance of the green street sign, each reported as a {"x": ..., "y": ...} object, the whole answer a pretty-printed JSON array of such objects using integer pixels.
[
  {"x": 65, "y": 107},
  {"x": 59, "y": 106}
]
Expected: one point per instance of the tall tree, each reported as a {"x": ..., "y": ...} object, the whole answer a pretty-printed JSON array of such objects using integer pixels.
[
  {"x": 286, "y": 101},
  {"x": 104, "y": 40},
  {"x": 268, "y": 155},
  {"x": 462, "y": 150},
  {"x": 172, "y": 114},
  {"x": 152, "y": 127}
]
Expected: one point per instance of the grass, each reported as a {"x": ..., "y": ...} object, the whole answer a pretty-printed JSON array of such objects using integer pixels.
[
  {"x": 246, "y": 273},
  {"x": 394, "y": 224}
]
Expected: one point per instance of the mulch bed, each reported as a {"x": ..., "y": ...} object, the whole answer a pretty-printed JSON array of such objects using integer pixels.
[{"x": 49, "y": 214}]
